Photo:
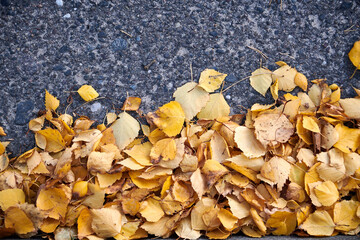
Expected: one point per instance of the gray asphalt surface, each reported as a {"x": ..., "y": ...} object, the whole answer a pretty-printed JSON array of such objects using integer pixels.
[{"x": 107, "y": 44}]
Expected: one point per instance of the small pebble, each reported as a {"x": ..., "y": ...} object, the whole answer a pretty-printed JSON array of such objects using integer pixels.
[
  {"x": 60, "y": 3},
  {"x": 95, "y": 107},
  {"x": 67, "y": 15},
  {"x": 228, "y": 97}
]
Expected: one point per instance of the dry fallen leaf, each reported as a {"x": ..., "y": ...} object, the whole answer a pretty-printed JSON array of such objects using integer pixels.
[
  {"x": 106, "y": 222},
  {"x": 87, "y": 92},
  {"x": 210, "y": 80},
  {"x": 261, "y": 80},
  {"x": 192, "y": 99},
  {"x": 354, "y": 54},
  {"x": 319, "y": 223},
  {"x": 169, "y": 118},
  {"x": 212, "y": 176}
]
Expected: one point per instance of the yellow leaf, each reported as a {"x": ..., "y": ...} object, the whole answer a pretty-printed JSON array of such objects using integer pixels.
[
  {"x": 215, "y": 108},
  {"x": 335, "y": 97},
  {"x": 80, "y": 189},
  {"x": 303, "y": 133},
  {"x": 106, "y": 222},
  {"x": 131, "y": 164},
  {"x": 49, "y": 225},
  {"x": 185, "y": 231},
  {"x": 84, "y": 223},
  {"x": 126, "y": 129},
  {"x": 286, "y": 77},
  {"x": 54, "y": 142},
  {"x": 143, "y": 183},
  {"x": 158, "y": 228},
  {"x": 301, "y": 81},
  {"x": 310, "y": 124},
  {"x": 274, "y": 89},
  {"x": 106, "y": 180},
  {"x": 345, "y": 216},
  {"x": 11, "y": 197},
  {"x": 261, "y": 80},
  {"x": 351, "y": 107},
  {"x": 169, "y": 118},
  {"x": 87, "y": 92},
  {"x": 354, "y": 54},
  {"x": 17, "y": 219},
  {"x": 141, "y": 153},
  {"x": 218, "y": 148},
  {"x": 2, "y": 148},
  {"x": 239, "y": 210},
  {"x": 218, "y": 234},
  {"x": 276, "y": 171},
  {"x": 53, "y": 200},
  {"x": 2, "y": 132},
  {"x": 192, "y": 99},
  {"x": 181, "y": 191},
  {"x": 211, "y": 80},
  {"x": 319, "y": 223},
  {"x": 100, "y": 161},
  {"x": 227, "y": 219},
  {"x": 131, "y": 104},
  {"x": 311, "y": 176},
  {"x": 163, "y": 150},
  {"x": 36, "y": 124},
  {"x": 151, "y": 210},
  {"x": 258, "y": 220},
  {"x": 51, "y": 102},
  {"x": 326, "y": 193},
  {"x": 247, "y": 142},
  {"x": 282, "y": 222},
  {"x": 349, "y": 138},
  {"x": 271, "y": 129},
  {"x": 213, "y": 171},
  {"x": 201, "y": 207}
]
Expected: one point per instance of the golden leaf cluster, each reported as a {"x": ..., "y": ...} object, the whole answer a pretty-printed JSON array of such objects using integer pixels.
[{"x": 190, "y": 168}]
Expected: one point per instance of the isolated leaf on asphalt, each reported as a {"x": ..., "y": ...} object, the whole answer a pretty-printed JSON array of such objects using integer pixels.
[
  {"x": 211, "y": 80},
  {"x": 87, "y": 92},
  {"x": 51, "y": 102},
  {"x": 354, "y": 54},
  {"x": 131, "y": 104}
]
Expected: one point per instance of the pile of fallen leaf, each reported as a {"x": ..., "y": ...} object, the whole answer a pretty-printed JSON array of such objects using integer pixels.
[{"x": 291, "y": 167}]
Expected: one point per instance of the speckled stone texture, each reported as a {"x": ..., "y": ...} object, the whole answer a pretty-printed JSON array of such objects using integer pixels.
[{"x": 59, "y": 48}]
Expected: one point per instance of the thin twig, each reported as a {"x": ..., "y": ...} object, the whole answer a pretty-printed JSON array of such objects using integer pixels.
[
  {"x": 126, "y": 33},
  {"x": 236, "y": 83},
  {"x": 288, "y": 55},
  {"x": 191, "y": 72},
  {"x": 245, "y": 79},
  {"x": 258, "y": 51},
  {"x": 350, "y": 29},
  {"x": 146, "y": 67},
  {"x": 354, "y": 72}
]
